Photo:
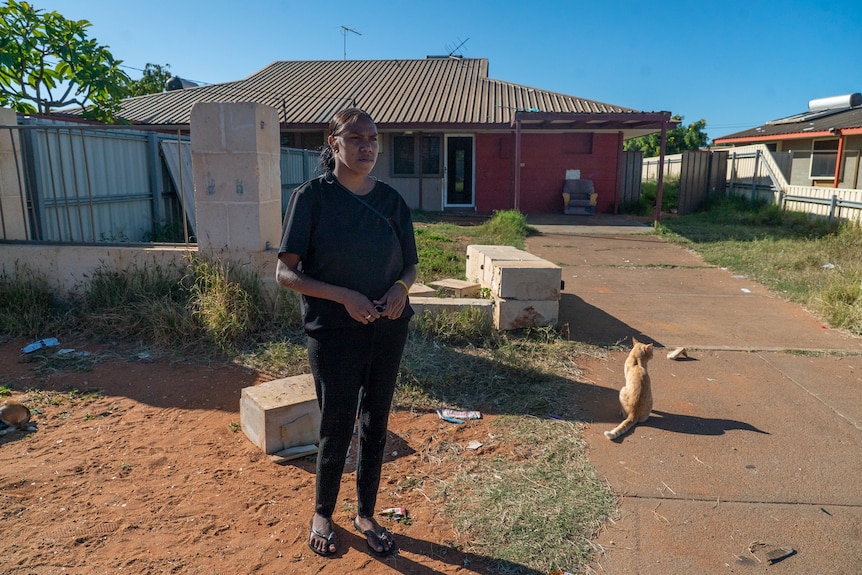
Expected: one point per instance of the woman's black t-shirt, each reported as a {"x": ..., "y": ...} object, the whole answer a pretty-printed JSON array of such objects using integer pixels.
[{"x": 343, "y": 242}]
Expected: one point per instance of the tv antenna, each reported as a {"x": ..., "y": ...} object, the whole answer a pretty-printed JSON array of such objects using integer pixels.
[
  {"x": 344, "y": 31},
  {"x": 453, "y": 51}
]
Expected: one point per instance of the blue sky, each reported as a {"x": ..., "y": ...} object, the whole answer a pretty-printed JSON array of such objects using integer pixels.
[{"x": 734, "y": 64}]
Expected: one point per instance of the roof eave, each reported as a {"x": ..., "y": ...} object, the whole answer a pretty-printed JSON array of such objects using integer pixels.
[
  {"x": 774, "y": 137},
  {"x": 594, "y": 122}
]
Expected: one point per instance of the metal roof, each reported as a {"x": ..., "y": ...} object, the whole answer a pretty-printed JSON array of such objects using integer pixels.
[
  {"x": 800, "y": 125},
  {"x": 431, "y": 92}
]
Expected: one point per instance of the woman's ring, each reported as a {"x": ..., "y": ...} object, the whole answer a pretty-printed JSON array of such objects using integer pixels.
[{"x": 368, "y": 316}]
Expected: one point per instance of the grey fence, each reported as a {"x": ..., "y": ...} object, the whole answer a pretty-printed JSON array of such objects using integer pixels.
[
  {"x": 81, "y": 183},
  {"x": 753, "y": 172},
  {"x": 630, "y": 167}
]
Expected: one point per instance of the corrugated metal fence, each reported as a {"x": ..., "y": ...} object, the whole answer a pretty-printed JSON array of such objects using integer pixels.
[
  {"x": 752, "y": 171},
  {"x": 699, "y": 172},
  {"x": 84, "y": 184}
]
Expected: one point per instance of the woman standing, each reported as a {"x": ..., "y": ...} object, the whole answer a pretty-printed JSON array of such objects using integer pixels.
[{"x": 348, "y": 248}]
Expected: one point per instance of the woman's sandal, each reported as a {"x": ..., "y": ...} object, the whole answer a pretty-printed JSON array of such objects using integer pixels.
[
  {"x": 328, "y": 538},
  {"x": 381, "y": 535}
]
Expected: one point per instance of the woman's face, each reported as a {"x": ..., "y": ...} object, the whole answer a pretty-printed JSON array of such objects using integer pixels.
[{"x": 355, "y": 148}]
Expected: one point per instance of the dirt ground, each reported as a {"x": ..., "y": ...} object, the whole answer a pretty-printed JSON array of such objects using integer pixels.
[{"x": 138, "y": 466}]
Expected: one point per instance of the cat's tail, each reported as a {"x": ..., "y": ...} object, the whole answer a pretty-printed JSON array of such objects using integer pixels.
[{"x": 622, "y": 428}]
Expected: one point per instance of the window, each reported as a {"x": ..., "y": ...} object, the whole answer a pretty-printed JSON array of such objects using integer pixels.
[
  {"x": 406, "y": 151},
  {"x": 824, "y": 153}
]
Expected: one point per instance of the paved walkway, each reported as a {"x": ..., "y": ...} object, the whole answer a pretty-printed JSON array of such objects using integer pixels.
[{"x": 756, "y": 439}]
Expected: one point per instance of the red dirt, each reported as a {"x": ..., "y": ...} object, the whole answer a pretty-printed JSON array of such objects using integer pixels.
[{"x": 151, "y": 475}]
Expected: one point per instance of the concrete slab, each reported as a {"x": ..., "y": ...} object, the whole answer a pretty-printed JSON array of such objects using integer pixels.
[
  {"x": 747, "y": 443},
  {"x": 675, "y": 299},
  {"x": 720, "y": 430},
  {"x": 711, "y": 537}
]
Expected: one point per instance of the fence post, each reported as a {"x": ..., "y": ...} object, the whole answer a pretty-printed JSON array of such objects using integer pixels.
[
  {"x": 832, "y": 205},
  {"x": 154, "y": 174},
  {"x": 732, "y": 172},
  {"x": 754, "y": 176}
]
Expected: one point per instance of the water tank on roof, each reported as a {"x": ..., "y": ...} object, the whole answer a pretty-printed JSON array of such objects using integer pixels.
[
  {"x": 177, "y": 83},
  {"x": 835, "y": 102}
]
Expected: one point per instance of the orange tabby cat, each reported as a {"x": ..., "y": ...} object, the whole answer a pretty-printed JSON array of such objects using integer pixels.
[{"x": 636, "y": 394}]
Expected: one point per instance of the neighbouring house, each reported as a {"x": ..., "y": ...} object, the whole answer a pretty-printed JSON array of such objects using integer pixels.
[
  {"x": 452, "y": 138},
  {"x": 820, "y": 147}
]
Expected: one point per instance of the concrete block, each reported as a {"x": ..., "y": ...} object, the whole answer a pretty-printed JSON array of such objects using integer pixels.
[
  {"x": 520, "y": 314},
  {"x": 476, "y": 259},
  {"x": 480, "y": 258},
  {"x": 458, "y": 288},
  {"x": 491, "y": 258},
  {"x": 526, "y": 280},
  {"x": 280, "y": 414},
  {"x": 234, "y": 127},
  {"x": 421, "y": 290},
  {"x": 437, "y": 305}
]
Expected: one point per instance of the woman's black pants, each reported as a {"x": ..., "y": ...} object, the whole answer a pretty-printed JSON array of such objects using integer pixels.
[{"x": 355, "y": 370}]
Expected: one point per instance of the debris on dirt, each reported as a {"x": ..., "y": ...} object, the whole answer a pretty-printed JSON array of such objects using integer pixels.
[
  {"x": 445, "y": 412},
  {"x": 72, "y": 352},
  {"x": 292, "y": 453},
  {"x": 394, "y": 512},
  {"x": 474, "y": 445},
  {"x": 453, "y": 420},
  {"x": 47, "y": 342},
  {"x": 770, "y": 553},
  {"x": 399, "y": 514},
  {"x": 678, "y": 353}
]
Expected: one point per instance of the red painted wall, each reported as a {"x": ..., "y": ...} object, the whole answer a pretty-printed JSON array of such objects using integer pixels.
[{"x": 545, "y": 159}]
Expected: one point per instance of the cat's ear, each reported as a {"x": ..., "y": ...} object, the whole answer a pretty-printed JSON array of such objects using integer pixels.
[
  {"x": 648, "y": 347},
  {"x": 634, "y": 340}
]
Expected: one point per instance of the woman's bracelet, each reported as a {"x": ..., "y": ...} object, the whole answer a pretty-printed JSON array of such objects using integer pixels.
[{"x": 403, "y": 283}]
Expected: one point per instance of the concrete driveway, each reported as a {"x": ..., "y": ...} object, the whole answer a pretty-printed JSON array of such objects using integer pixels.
[{"x": 755, "y": 442}]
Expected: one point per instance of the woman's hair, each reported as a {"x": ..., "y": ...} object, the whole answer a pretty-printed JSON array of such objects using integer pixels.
[{"x": 340, "y": 122}]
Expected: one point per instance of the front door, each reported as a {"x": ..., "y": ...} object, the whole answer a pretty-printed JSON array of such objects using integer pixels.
[{"x": 458, "y": 172}]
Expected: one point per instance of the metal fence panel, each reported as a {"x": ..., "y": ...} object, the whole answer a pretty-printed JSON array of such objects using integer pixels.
[
  {"x": 297, "y": 167},
  {"x": 92, "y": 186},
  {"x": 693, "y": 180},
  {"x": 631, "y": 168},
  {"x": 85, "y": 184}
]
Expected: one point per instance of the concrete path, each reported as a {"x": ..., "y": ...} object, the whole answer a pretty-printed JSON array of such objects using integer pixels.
[{"x": 755, "y": 442}]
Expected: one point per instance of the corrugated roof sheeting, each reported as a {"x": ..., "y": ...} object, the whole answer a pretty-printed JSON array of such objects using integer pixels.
[
  {"x": 840, "y": 120},
  {"x": 442, "y": 91}
]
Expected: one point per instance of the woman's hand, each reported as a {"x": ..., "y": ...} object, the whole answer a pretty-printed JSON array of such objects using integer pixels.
[
  {"x": 360, "y": 307},
  {"x": 394, "y": 301}
]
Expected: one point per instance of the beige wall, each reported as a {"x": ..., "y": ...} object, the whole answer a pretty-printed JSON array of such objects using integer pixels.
[
  {"x": 14, "y": 222},
  {"x": 235, "y": 155},
  {"x": 801, "y": 165}
]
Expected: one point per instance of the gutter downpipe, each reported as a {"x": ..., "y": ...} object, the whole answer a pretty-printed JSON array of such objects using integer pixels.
[
  {"x": 837, "y": 178},
  {"x": 517, "y": 186},
  {"x": 421, "y": 140},
  {"x": 660, "y": 179}
]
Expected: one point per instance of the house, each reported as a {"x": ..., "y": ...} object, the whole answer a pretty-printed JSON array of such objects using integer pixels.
[
  {"x": 820, "y": 147},
  {"x": 452, "y": 138}
]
